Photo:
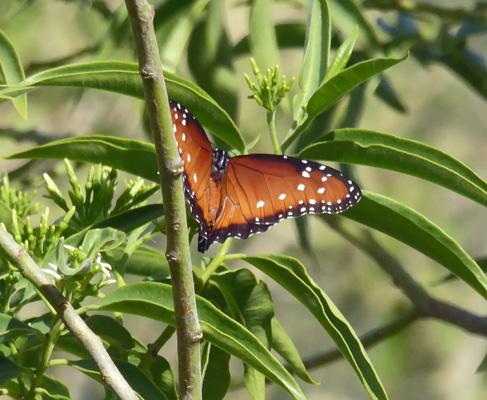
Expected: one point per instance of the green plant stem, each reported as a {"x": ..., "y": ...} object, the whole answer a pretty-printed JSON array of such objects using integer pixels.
[
  {"x": 215, "y": 263},
  {"x": 154, "y": 348},
  {"x": 29, "y": 270},
  {"x": 47, "y": 349},
  {"x": 170, "y": 169},
  {"x": 271, "y": 122},
  {"x": 20, "y": 380}
]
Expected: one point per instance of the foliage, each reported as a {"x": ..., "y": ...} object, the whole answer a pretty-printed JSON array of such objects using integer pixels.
[{"x": 99, "y": 232}]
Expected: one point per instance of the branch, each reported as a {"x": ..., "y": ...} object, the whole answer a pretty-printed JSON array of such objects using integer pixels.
[
  {"x": 29, "y": 270},
  {"x": 170, "y": 169},
  {"x": 421, "y": 8},
  {"x": 425, "y": 305},
  {"x": 369, "y": 339}
]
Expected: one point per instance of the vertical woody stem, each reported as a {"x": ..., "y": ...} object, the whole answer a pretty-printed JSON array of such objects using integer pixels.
[{"x": 170, "y": 169}]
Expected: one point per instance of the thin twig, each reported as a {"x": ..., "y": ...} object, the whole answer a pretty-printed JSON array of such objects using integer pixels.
[
  {"x": 425, "y": 305},
  {"x": 170, "y": 169},
  {"x": 422, "y": 8},
  {"x": 29, "y": 270},
  {"x": 368, "y": 339}
]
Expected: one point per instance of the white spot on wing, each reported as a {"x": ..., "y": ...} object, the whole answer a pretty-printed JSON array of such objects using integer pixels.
[
  {"x": 312, "y": 201},
  {"x": 184, "y": 122},
  {"x": 302, "y": 209},
  {"x": 260, "y": 204},
  {"x": 321, "y": 190},
  {"x": 183, "y": 138},
  {"x": 301, "y": 187},
  {"x": 195, "y": 178},
  {"x": 189, "y": 157},
  {"x": 282, "y": 196},
  {"x": 305, "y": 174}
]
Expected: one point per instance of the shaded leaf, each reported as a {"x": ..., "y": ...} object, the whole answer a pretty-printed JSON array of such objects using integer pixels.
[
  {"x": 292, "y": 275},
  {"x": 216, "y": 379},
  {"x": 163, "y": 377},
  {"x": 154, "y": 300},
  {"x": 137, "y": 380},
  {"x": 13, "y": 72},
  {"x": 284, "y": 346},
  {"x": 8, "y": 370}
]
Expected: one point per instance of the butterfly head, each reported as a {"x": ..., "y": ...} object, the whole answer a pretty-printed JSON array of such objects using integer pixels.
[{"x": 219, "y": 162}]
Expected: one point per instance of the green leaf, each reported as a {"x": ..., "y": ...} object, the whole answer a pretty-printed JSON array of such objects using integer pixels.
[
  {"x": 137, "y": 380},
  {"x": 127, "y": 155},
  {"x": 124, "y": 78},
  {"x": 10, "y": 328},
  {"x": 284, "y": 346},
  {"x": 342, "y": 55},
  {"x": 410, "y": 227},
  {"x": 154, "y": 300},
  {"x": 262, "y": 35},
  {"x": 163, "y": 377},
  {"x": 132, "y": 219},
  {"x": 338, "y": 86},
  {"x": 251, "y": 304},
  {"x": 8, "y": 370},
  {"x": 12, "y": 69},
  {"x": 111, "y": 331},
  {"x": 317, "y": 48},
  {"x": 249, "y": 301},
  {"x": 381, "y": 150},
  {"x": 56, "y": 389},
  {"x": 144, "y": 261},
  {"x": 216, "y": 379},
  {"x": 292, "y": 275}
]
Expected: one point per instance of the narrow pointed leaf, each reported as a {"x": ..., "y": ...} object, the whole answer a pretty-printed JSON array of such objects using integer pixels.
[
  {"x": 124, "y": 78},
  {"x": 133, "y": 156},
  {"x": 415, "y": 230},
  {"x": 284, "y": 346},
  {"x": 292, "y": 275},
  {"x": 317, "y": 48},
  {"x": 342, "y": 55},
  {"x": 137, "y": 379},
  {"x": 357, "y": 146},
  {"x": 154, "y": 300},
  {"x": 338, "y": 86},
  {"x": 13, "y": 71},
  {"x": 10, "y": 328},
  {"x": 251, "y": 304},
  {"x": 217, "y": 375},
  {"x": 8, "y": 370}
]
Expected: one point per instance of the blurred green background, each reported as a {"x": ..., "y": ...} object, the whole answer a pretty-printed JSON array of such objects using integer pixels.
[{"x": 428, "y": 360}]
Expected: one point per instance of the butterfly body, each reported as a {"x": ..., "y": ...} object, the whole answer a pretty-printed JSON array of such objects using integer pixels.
[{"x": 244, "y": 195}]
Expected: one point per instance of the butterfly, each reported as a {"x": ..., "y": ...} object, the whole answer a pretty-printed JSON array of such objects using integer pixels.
[{"x": 244, "y": 195}]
